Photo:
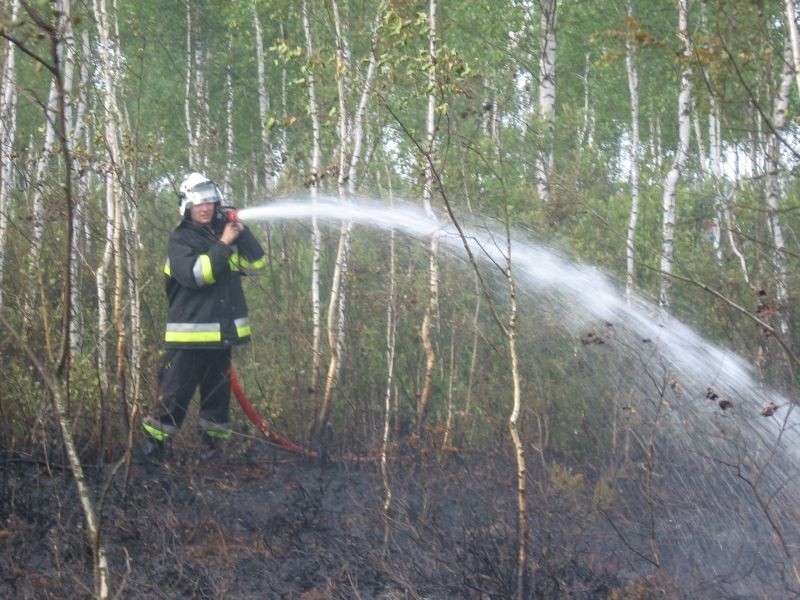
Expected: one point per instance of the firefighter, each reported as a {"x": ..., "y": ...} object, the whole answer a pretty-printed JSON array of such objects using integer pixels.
[{"x": 207, "y": 254}]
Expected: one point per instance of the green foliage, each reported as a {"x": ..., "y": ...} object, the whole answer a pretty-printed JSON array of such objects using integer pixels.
[{"x": 485, "y": 68}]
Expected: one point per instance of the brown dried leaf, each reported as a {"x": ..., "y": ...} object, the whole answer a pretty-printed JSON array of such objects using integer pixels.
[
  {"x": 591, "y": 338},
  {"x": 769, "y": 410}
]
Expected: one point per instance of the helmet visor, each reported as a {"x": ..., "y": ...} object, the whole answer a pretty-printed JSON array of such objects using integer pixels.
[{"x": 203, "y": 193}]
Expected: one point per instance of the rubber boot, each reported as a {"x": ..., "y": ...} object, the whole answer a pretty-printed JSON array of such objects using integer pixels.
[{"x": 153, "y": 449}]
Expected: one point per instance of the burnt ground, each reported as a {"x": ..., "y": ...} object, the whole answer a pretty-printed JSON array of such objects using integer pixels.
[{"x": 261, "y": 523}]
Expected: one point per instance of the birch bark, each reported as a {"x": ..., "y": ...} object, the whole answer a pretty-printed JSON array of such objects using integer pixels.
[
  {"x": 773, "y": 192},
  {"x": 432, "y": 309},
  {"x": 681, "y": 154},
  {"x": 351, "y": 131},
  {"x": 8, "y": 135},
  {"x": 227, "y": 188},
  {"x": 37, "y": 201},
  {"x": 547, "y": 98},
  {"x": 263, "y": 108},
  {"x": 191, "y": 139},
  {"x": 338, "y": 299},
  {"x": 633, "y": 218},
  {"x": 794, "y": 37},
  {"x": 315, "y": 168}
]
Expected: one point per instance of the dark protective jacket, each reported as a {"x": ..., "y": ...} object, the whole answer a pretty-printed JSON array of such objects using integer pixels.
[{"x": 207, "y": 307}]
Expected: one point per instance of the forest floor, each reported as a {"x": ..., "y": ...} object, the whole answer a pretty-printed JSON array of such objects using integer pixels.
[{"x": 260, "y": 523}]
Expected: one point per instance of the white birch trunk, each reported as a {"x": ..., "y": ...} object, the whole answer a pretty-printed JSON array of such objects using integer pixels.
[
  {"x": 794, "y": 37},
  {"x": 37, "y": 201},
  {"x": 656, "y": 151},
  {"x": 681, "y": 154},
  {"x": 114, "y": 200},
  {"x": 773, "y": 188},
  {"x": 431, "y": 312},
  {"x": 133, "y": 249},
  {"x": 715, "y": 166},
  {"x": 78, "y": 216},
  {"x": 338, "y": 299},
  {"x": 8, "y": 134},
  {"x": 589, "y": 121},
  {"x": 202, "y": 111},
  {"x": 187, "y": 100},
  {"x": 547, "y": 98},
  {"x": 366, "y": 92},
  {"x": 227, "y": 187},
  {"x": 315, "y": 168},
  {"x": 263, "y": 108},
  {"x": 391, "y": 331},
  {"x": 633, "y": 218}
]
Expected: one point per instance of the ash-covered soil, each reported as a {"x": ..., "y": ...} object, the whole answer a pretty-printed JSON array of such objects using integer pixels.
[{"x": 261, "y": 523}]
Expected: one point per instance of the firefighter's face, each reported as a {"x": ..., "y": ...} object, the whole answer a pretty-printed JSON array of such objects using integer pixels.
[{"x": 202, "y": 214}]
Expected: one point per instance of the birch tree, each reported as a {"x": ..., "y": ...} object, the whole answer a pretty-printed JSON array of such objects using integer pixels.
[
  {"x": 8, "y": 136},
  {"x": 633, "y": 91},
  {"x": 112, "y": 169},
  {"x": 432, "y": 309},
  {"x": 681, "y": 155},
  {"x": 267, "y": 162},
  {"x": 191, "y": 135},
  {"x": 80, "y": 135},
  {"x": 196, "y": 108},
  {"x": 316, "y": 242},
  {"x": 37, "y": 201},
  {"x": 794, "y": 37},
  {"x": 547, "y": 97},
  {"x": 350, "y": 134},
  {"x": 338, "y": 298},
  {"x": 780, "y": 105}
]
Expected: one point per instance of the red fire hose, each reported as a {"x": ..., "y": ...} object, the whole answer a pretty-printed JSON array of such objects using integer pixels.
[{"x": 261, "y": 424}]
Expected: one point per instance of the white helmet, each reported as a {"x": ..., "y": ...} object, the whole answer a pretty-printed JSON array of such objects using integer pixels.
[{"x": 197, "y": 189}]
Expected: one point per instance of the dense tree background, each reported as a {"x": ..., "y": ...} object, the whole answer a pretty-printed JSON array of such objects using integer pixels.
[{"x": 105, "y": 107}]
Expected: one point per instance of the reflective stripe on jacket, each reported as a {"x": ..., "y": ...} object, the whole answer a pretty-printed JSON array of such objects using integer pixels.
[{"x": 207, "y": 307}]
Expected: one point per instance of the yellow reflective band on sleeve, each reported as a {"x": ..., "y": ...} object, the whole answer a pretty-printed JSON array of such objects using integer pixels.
[
  {"x": 203, "y": 274},
  {"x": 255, "y": 265},
  {"x": 192, "y": 333},
  {"x": 239, "y": 263},
  {"x": 167, "y": 269},
  {"x": 154, "y": 433},
  {"x": 242, "y": 327},
  {"x": 234, "y": 262}
]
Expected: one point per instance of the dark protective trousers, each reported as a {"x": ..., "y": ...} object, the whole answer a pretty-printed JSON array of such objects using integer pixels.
[{"x": 182, "y": 372}]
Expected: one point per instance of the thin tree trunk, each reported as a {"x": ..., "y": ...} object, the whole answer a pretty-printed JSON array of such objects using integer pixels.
[
  {"x": 347, "y": 182},
  {"x": 432, "y": 310},
  {"x": 187, "y": 102},
  {"x": 391, "y": 334},
  {"x": 338, "y": 297},
  {"x": 78, "y": 132},
  {"x": 681, "y": 154},
  {"x": 547, "y": 98},
  {"x": 315, "y": 168},
  {"x": 589, "y": 121},
  {"x": 267, "y": 163},
  {"x": 113, "y": 171},
  {"x": 37, "y": 202},
  {"x": 227, "y": 186},
  {"x": 8, "y": 129},
  {"x": 366, "y": 92},
  {"x": 773, "y": 191},
  {"x": 85, "y": 495},
  {"x": 794, "y": 37},
  {"x": 633, "y": 219}
]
